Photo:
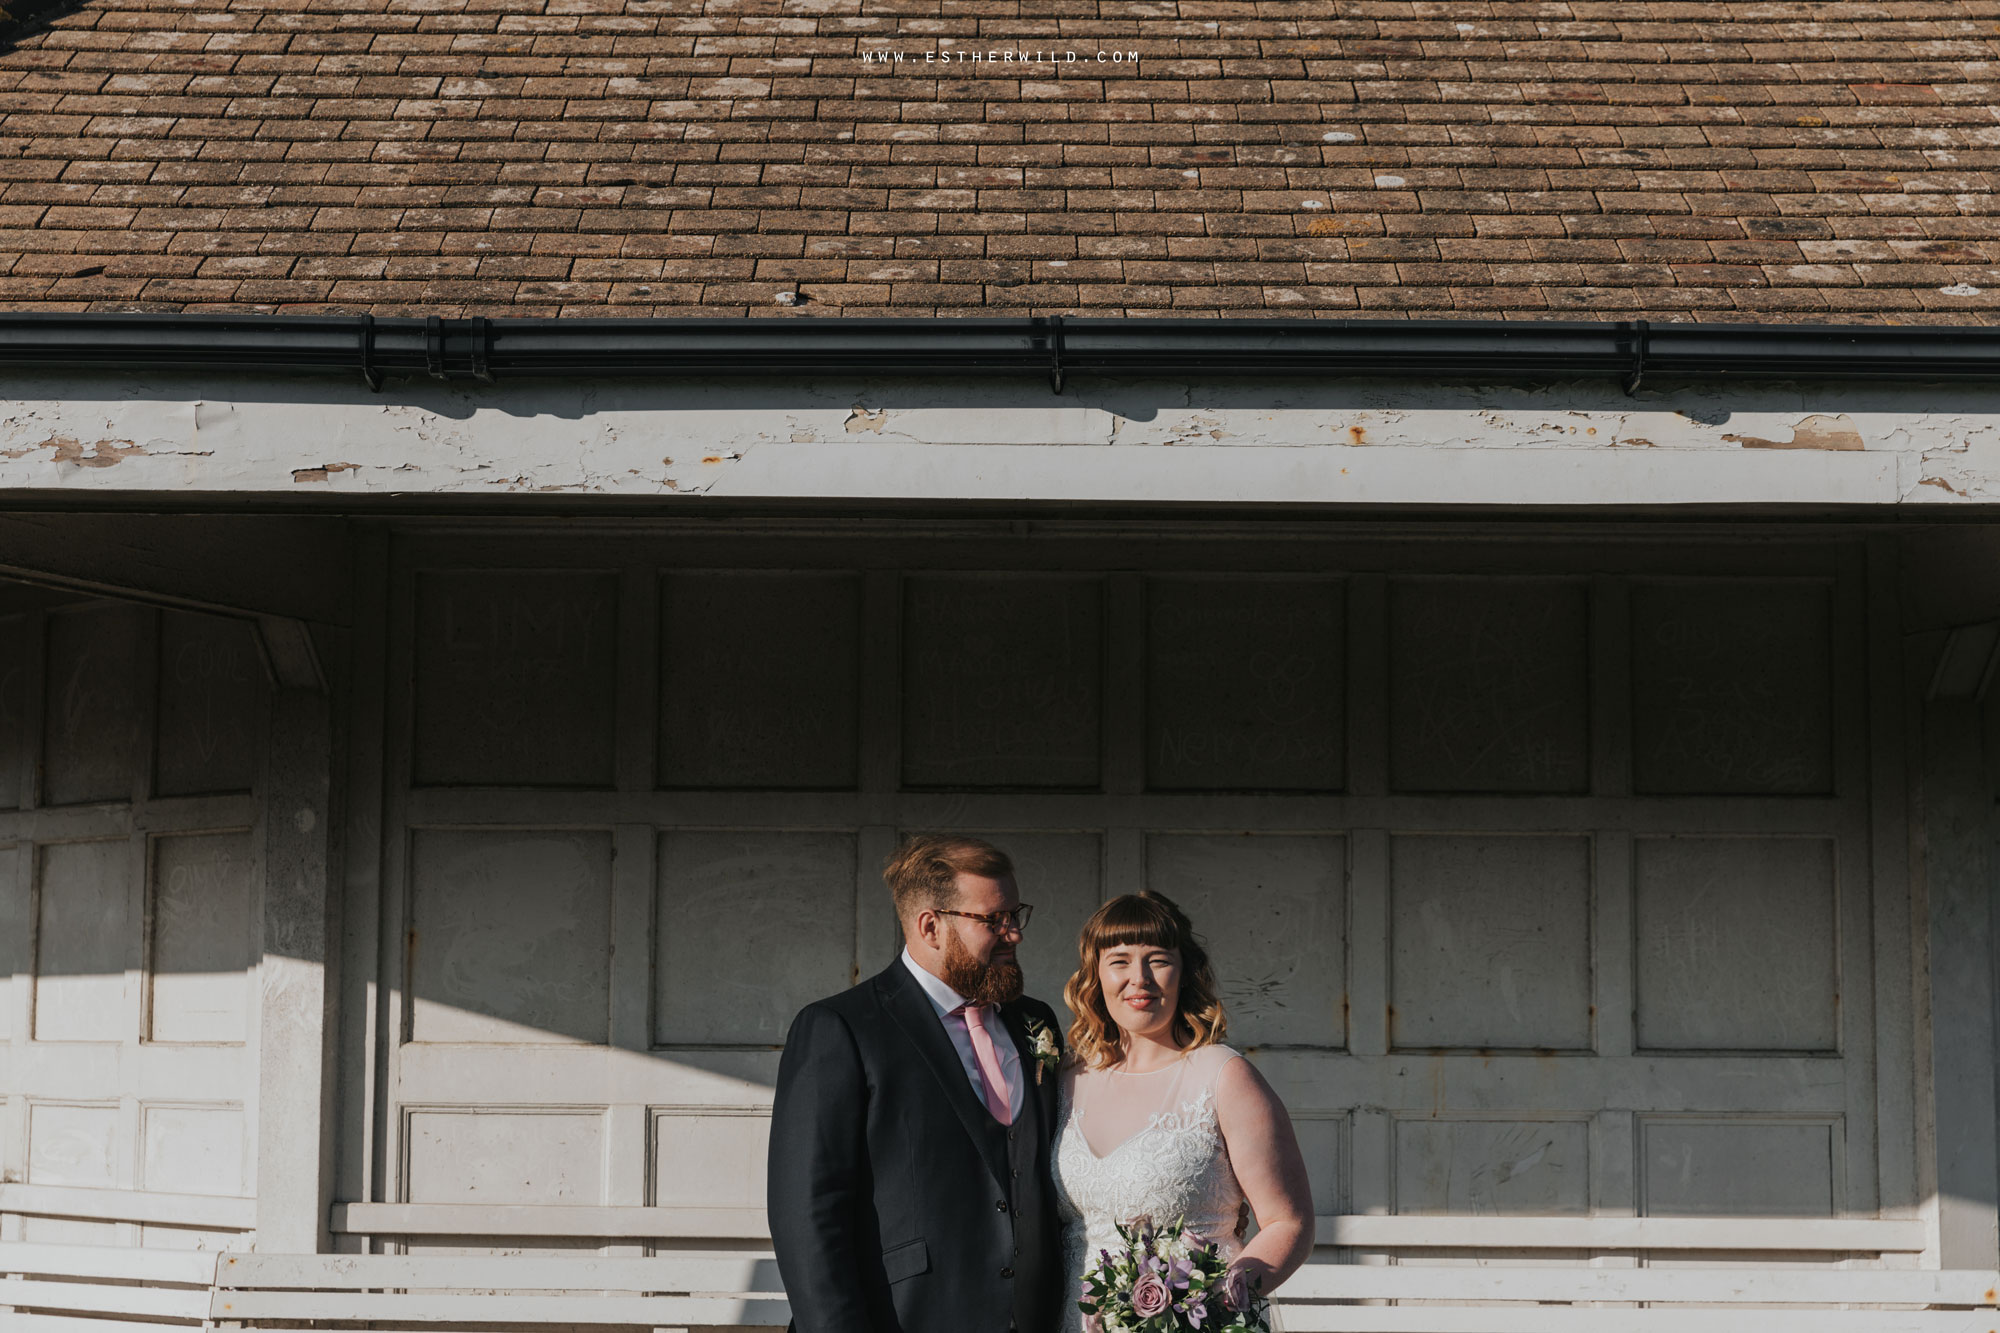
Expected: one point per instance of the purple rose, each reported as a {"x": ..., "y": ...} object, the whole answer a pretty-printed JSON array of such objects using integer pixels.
[{"x": 1150, "y": 1296}]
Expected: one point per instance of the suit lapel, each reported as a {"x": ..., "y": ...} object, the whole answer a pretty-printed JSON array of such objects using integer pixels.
[{"x": 911, "y": 1009}]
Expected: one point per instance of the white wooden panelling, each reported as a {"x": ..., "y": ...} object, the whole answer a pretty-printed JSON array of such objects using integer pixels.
[
  {"x": 759, "y": 679},
  {"x": 75, "y": 1145},
  {"x": 193, "y": 1149},
  {"x": 1737, "y": 944},
  {"x": 1490, "y": 942},
  {"x": 204, "y": 928},
  {"x": 17, "y": 932},
  {"x": 1001, "y": 681},
  {"x": 702, "y": 1159},
  {"x": 159, "y": 1302},
  {"x": 1489, "y": 685},
  {"x": 1487, "y": 703},
  {"x": 1740, "y": 1166},
  {"x": 510, "y": 935},
  {"x": 211, "y": 683},
  {"x": 751, "y": 925},
  {"x": 84, "y": 935},
  {"x": 1731, "y": 687},
  {"x": 494, "y": 1157},
  {"x": 17, "y": 634},
  {"x": 1243, "y": 684},
  {"x": 515, "y": 677},
  {"x": 94, "y": 707},
  {"x": 74, "y": 1261},
  {"x": 1274, "y": 912},
  {"x": 1456, "y": 1164}
]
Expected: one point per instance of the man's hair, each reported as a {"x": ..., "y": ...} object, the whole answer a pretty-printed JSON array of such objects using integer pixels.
[{"x": 924, "y": 870}]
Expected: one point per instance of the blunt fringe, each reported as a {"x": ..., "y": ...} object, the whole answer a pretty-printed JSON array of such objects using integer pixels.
[{"x": 1149, "y": 920}]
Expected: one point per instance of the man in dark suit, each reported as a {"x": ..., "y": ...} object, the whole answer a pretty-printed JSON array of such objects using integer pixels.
[{"x": 910, "y": 1138}]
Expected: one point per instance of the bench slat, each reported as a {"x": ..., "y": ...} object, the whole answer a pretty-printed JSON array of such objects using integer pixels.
[
  {"x": 1566, "y": 1319},
  {"x": 189, "y": 1267},
  {"x": 57, "y": 1323},
  {"x": 458, "y": 1308},
  {"x": 725, "y": 1272},
  {"x": 91, "y": 1297},
  {"x": 1782, "y": 1286}
]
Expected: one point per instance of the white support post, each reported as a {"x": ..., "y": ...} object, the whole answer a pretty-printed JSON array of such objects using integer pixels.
[{"x": 294, "y": 1143}]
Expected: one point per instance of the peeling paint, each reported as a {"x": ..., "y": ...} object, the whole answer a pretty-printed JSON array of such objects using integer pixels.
[
  {"x": 322, "y": 472},
  {"x": 861, "y": 419},
  {"x": 1815, "y": 432},
  {"x": 103, "y": 453}
]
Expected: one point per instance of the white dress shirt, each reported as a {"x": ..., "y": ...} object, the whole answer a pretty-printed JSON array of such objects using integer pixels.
[{"x": 944, "y": 999}]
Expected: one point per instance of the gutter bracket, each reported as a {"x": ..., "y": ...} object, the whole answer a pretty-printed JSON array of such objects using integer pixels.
[
  {"x": 434, "y": 347},
  {"x": 1641, "y": 336},
  {"x": 372, "y": 376},
  {"x": 1056, "y": 353},
  {"x": 482, "y": 337}
]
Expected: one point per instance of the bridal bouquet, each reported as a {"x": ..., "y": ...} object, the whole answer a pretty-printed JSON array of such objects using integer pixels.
[{"x": 1164, "y": 1281}]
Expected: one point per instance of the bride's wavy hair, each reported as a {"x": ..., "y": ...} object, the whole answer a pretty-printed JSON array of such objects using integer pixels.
[{"x": 1149, "y": 920}]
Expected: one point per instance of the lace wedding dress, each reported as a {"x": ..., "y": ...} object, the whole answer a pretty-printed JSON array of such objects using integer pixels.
[{"x": 1143, "y": 1145}]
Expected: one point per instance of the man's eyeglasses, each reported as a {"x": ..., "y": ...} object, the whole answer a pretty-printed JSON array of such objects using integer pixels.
[{"x": 1000, "y": 923}]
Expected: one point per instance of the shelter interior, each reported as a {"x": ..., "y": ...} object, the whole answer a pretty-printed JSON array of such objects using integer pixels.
[{"x": 387, "y": 884}]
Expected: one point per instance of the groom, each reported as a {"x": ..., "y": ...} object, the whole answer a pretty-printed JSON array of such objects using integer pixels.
[{"x": 909, "y": 1172}]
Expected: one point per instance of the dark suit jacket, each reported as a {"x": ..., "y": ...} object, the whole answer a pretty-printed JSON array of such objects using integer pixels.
[{"x": 897, "y": 1203}]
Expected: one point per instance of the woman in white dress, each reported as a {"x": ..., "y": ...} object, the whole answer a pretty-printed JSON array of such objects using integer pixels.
[{"x": 1159, "y": 1119}]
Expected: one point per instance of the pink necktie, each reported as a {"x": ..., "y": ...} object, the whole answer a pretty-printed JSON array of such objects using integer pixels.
[{"x": 999, "y": 1097}]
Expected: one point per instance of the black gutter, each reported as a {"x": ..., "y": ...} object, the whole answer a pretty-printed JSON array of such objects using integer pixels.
[{"x": 1058, "y": 347}]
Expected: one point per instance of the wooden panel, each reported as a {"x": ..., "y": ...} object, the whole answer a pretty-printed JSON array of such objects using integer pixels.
[
  {"x": 14, "y": 650},
  {"x": 710, "y": 1161},
  {"x": 1320, "y": 1143},
  {"x": 1731, "y": 687},
  {"x": 1737, "y": 944},
  {"x": 1001, "y": 681},
  {"x": 83, "y": 938},
  {"x": 94, "y": 707},
  {"x": 510, "y": 936},
  {"x": 750, "y": 927},
  {"x": 1245, "y": 684},
  {"x": 193, "y": 1150},
  {"x": 1518, "y": 1167},
  {"x": 211, "y": 685},
  {"x": 1739, "y": 1168},
  {"x": 1062, "y": 874},
  {"x": 70, "y": 1144},
  {"x": 205, "y": 930},
  {"x": 1489, "y": 685},
  {"x": 1490, "y": 942},
  {"x": 760, "y": 677},
  {"x": 16, "y": 933},
  {"x": 504, "y": 1157},
  {"x": 515, "y": 679},
  {"x": 1273, "y": 910}
]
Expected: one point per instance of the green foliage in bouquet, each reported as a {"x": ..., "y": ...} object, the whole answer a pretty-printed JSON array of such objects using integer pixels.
[{"x": 1164, "y": 1281}]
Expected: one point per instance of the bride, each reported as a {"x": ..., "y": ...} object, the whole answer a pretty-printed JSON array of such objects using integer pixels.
[{"x": 1159, "y": 1119}]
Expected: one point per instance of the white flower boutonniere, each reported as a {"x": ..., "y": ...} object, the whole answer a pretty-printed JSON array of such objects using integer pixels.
[{"x": 1047, "y": 1054}]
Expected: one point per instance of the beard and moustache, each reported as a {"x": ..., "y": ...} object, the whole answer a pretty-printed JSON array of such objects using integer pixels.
[{"x": 996, "y": 982}]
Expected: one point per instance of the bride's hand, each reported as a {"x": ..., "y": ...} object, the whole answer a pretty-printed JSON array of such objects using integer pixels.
[{"x": 1242, "y": 1283}]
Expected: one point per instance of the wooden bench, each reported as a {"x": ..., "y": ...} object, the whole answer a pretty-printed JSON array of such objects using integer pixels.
[{"x": 73, "y": 1289}]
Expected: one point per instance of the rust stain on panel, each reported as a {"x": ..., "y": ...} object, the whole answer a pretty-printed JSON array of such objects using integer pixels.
[
  {"x": 322, "y": 472},
  {"x": 1815, "y": 432}
]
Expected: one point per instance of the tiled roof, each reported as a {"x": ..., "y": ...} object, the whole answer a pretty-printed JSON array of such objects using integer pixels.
[{"x": 1826, "y": 160}]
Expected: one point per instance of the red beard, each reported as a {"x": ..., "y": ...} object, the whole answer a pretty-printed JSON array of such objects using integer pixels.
[{"x": 996, "y": 982}]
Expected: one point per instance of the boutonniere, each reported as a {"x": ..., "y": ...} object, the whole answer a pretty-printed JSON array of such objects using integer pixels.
[{"x": 1042, "y": 1042}]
